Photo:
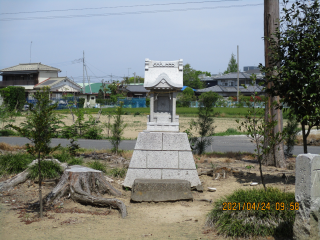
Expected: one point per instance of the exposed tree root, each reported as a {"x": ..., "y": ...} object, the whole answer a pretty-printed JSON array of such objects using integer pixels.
[{"x": 81, "y": 182}]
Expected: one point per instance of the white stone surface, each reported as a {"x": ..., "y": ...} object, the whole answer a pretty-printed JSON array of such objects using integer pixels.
[
  {"x": 186, "y": 160},
  {"x": 132, "y": 174},
  {"x": 175, "y": 141},
  {"x": 163, "y": 72},
  {"x": 162, "y": 159},
  {"x": 149, "y": 141},
  {"x": 138, "y": 159},
  {"x": 190, "y": 175},
  {"x": 165, "y": 127}
]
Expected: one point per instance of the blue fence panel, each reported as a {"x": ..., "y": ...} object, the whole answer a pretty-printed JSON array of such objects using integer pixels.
[{"x": 62, "y": 102}]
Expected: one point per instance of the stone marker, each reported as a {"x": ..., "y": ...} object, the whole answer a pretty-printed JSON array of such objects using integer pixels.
[
  {"x": 160, "y": 190},
  {"x": 307, "y": 194},
  {"x": 162, "y": 152}
]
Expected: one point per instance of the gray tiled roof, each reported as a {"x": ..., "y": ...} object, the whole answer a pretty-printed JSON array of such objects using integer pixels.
[
  {"x": 30, "y": 66},
  {"x": 225, "y": 89},
  {"x": 234, "y": 75},
  {"x": 53, "y": 81},
  {"x": 137, "y": 88}
]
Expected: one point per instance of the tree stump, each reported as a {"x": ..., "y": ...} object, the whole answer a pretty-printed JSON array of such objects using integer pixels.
[{"x": 80, "y": 183}]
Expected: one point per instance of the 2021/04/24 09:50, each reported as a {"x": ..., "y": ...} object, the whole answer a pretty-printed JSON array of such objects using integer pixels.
[{"x": 264, "y": 206}]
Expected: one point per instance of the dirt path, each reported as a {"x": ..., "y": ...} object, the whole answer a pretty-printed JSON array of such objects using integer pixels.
[{"x": 170, "y": 220}]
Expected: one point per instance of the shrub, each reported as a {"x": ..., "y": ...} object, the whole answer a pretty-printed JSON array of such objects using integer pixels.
[
  {"x": 136, "y": 113},
  {"x": 97, "y": 166},
  {"x": 65, "y": 156},
  {"x": 248, "y": 223},
  {"x": 8, "y": 132},
  {"x": 93, "y": 133},
  {"x": 49, "y": 170},
  {"x": 118, "y": 172},
  {"x": 75, "y": 161},
  {"x": 14, "y": 163}
]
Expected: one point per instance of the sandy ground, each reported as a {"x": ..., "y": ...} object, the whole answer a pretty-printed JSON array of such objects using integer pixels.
[{"x": 166, "y": 220}]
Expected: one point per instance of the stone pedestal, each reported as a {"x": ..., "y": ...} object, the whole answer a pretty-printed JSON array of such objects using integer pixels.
[
  {"x": 162, "y": 155},
  {"x": 307, "y": 194}
]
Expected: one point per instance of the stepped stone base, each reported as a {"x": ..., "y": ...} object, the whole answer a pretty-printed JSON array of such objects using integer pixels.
[
  {"x": 162, "y": 155},
  {"x": 160, "y": 190}
]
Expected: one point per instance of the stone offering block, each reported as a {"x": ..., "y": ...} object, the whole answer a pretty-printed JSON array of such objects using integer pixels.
[{"x": 161, "y": 190}]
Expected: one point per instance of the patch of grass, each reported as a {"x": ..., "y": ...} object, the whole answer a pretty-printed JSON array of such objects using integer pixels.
[
  {"x": 49, "y": 170},
  {"x": 230, "y": 131},
  {"x": 97, "y": 165},
  {"x": 118, "y": 172},
  {"x": 258, "y": 222},
  {"x": 8, "y": 132},
  {"x": 75, "y": 161},
  {"x": 63, "y": 155},
  {"x": 14, "y": 163}
]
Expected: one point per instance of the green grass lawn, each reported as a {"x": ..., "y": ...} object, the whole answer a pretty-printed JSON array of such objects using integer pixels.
[{"x": 182, "y": 111}]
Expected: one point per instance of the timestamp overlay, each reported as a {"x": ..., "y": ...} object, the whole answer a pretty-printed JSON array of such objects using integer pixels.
[{"x": 262, "y": 206}]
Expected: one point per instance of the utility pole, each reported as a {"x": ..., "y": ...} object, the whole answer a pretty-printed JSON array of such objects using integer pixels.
[
  {"x": 84, "y": 88},
  {"x": 271, "y": 23},
  {"x": 238, "y": 74}
]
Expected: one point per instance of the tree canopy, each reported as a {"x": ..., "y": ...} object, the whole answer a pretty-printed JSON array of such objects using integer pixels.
[
  {"x": 191, "y": 77},
  {"x": 295, "y": 58},
  {"x": 232, "y": 65}
]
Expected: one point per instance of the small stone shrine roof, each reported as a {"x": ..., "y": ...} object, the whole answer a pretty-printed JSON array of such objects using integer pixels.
[{"x": 163, "y": 75}]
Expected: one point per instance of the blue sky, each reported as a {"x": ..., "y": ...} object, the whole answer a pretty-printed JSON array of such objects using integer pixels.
[{"x": 204, "y": 38}]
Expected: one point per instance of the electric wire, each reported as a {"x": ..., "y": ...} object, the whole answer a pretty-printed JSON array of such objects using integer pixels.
[
  {"x": 127, "y": 6},
  {"x": 129, "y": 13}
]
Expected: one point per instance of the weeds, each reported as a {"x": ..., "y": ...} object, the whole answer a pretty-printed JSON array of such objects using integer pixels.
[
  {"x": 118, "y": 172},
  {"x": 49, "y": 170},
  {"x": 97, "y": 166},
  {"x": 232, "y": 217},
  {"x": 14, "y": 163}
]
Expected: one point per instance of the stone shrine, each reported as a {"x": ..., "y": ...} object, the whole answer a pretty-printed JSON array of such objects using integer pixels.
[{"x": 161, "y": 151}]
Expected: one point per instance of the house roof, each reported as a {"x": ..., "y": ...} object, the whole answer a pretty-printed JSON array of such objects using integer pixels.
[
  {"x": 136, "y": 88},
  {"x": 223, "y": 89},
  {"x": 30, "y": 67},
  {"x": 53, "y": 81}
]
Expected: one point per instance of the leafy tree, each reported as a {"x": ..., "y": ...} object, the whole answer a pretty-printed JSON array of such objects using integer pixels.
[
  {"x": 295, "y": 58},
  {"x": 291, "y": 130},
  {"x": 117, "y": 128},
  {"x": 232, "y": 66},
  {"x": 204, "y": 124},
  {"x": 116, "y": 89},
  {"x": 186, "y": 97},
  {"x": 258, "y": 130},
  {"x": 39, "y": 129},
  {"x": 14, "y": 97},
  {"x": 190, "y": 77},
  {"x": 100, "y": 94}
]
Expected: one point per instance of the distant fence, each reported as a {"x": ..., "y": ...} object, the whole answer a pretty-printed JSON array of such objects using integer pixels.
[{"x": 63, "y": 103}]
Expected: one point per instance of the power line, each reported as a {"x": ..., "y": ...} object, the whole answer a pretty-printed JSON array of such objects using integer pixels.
[
  {"x": 130, "y": 13},
  {"x": 128, "y": 6}
]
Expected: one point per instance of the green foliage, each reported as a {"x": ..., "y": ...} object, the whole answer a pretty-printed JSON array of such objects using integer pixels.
[
  {"x": 118, "y": 172},
  {"x": 117, "y": 128},
  {"x": 100, "y": 94},
  {"x": 295, "y": 62},
  {"x": 210, "y": 97},
  {"x": 49, "y": 170},
  {"x": 97, "y": 165},
  {"x": 258, "y": 130},
  {"x": 8, "y": 132},
  {"x": 14, "y": 163},
  {"x": 190, "y": 77},
  {"x": 250, "y": 223},
  {"x": 65, "y": 155},
  {"x": 232, "y": 65},
  {"x": 186, "y": 97},
  {"x": 81, "y": 102},
  {"x": 291, "y": 133},
  {"x": 228, "y": 132},
  {"x": 14, "y": 97},
  {"x": 73, "y": 147},
  {"x": 39, "y": 129},
  {"x": 136, "y": 113},
  {"x": 204, "y": 124}
]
